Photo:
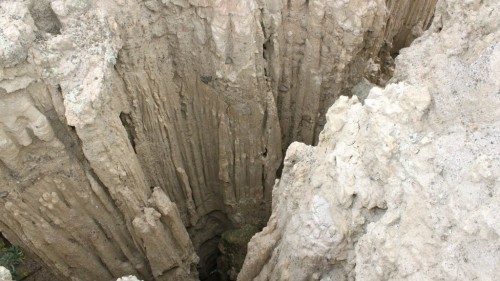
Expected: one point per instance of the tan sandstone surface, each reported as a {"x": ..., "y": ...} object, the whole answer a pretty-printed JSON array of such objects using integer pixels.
[
  {"x": 404, "y": 186},
  {"x": 134, "y": 134}
]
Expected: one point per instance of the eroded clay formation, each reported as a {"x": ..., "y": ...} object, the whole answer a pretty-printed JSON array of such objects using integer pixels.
[
  {"x": 134, "y": 133},
  {"x": 403, "y": 186}
]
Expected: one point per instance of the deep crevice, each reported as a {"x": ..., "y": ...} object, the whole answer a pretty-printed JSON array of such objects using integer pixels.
[
  {"x": 127, "y": 123},
  {"x": 44, "y": 17}
]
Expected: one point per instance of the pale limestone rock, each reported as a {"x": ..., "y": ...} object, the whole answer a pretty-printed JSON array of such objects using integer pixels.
[
  {"x": 128, "y": 278},
  {"x": 5, "y": 274},
  {"x": 404, "y": 186},
  {"x": 16, "y": 33}
]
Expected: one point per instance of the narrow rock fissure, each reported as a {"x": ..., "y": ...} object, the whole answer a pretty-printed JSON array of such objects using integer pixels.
[
  {"x": 206, "y": 101},
  {"x": 386, "y": 61},
  {"x": 44, "y": 17},
  {"x": 128, "y": 125}
]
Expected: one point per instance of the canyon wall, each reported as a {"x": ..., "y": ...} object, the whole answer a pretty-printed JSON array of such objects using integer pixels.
[
  {"x": 321, "y": 49},
  {"x": 404, "y": 185},
  {"x": 134, "y": 133}
]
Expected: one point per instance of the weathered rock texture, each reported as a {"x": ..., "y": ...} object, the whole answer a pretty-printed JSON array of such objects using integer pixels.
[
  {"x": 5, "y": 274},
  {"x": 128, "y": 278},
  {"x": 404, "y": 186},
  {"x": 321, "y": 49},
  {"x": 134, "y": 133}
]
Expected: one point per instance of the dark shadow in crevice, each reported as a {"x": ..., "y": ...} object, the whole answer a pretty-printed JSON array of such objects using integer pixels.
[
  {"x": 129, "y": 127},
  {"x": 44, "y": 17}
]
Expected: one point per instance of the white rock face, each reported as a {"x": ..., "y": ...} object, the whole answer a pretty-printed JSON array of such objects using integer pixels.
[
  {"x": 5, "y": 274},
  {"x": 406, "y": 185},
  {"x": 128, "y": 278}
]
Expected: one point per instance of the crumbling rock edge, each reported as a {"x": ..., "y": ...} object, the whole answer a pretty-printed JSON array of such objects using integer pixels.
[
  {"x": 5, "y": 274},
  {"x": 403, "y": 186}
]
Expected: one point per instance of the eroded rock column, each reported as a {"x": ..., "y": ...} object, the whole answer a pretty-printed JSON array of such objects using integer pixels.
[{"x": 73, "y": 191}]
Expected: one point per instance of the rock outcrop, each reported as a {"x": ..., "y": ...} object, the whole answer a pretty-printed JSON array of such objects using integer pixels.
[
  {"x": 403, "y": 186},
  {"x": 134, "y": 133},
  {"x": 128, "y": 278},
  {"x": 5, "y": 274}
]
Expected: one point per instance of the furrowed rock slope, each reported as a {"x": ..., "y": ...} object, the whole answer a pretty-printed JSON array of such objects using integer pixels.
[
  {"x": 134, "y": 133},
  {"x": 321, "y": 49},
  {"x": 405, "y": 185}
]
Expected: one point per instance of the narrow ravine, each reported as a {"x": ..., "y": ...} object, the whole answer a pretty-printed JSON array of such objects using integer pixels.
[{"x": 139, "y": 137}]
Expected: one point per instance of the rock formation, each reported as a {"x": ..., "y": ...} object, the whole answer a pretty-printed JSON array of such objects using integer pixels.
[
  {"x": 403, "y": 186},
  {"x": 5, "y": 274},
  {"x": 128, "y": 278},
  {"x": 134, "y": 133},
  {"x": 320, "y": 49}
]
